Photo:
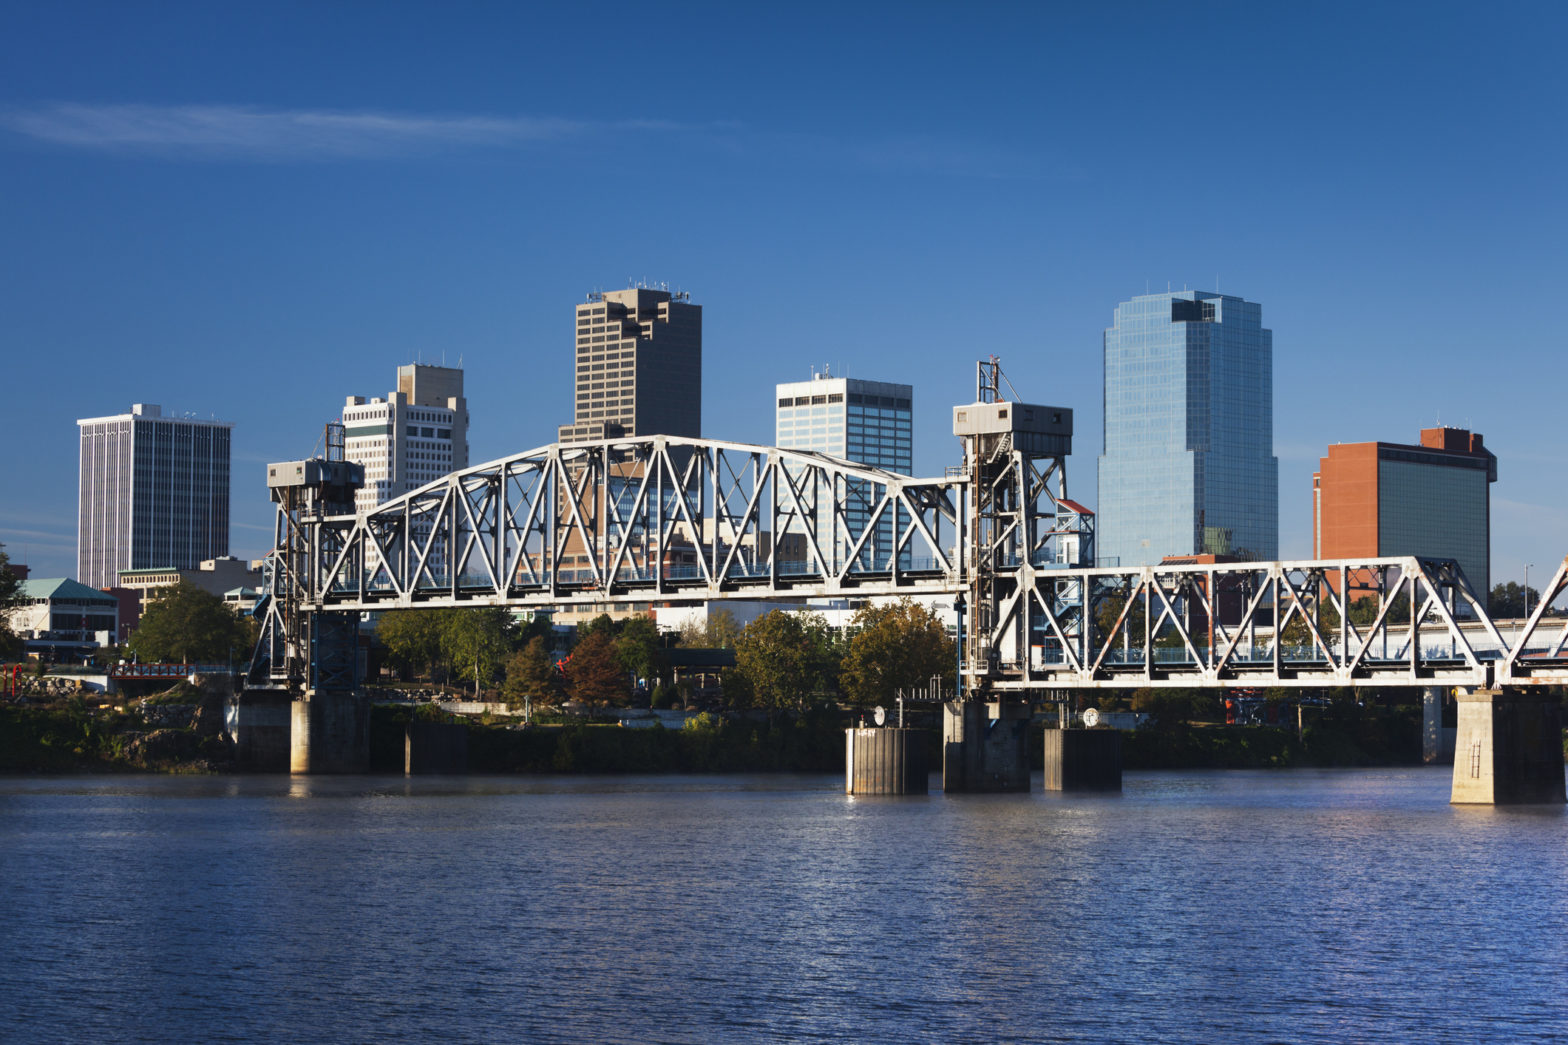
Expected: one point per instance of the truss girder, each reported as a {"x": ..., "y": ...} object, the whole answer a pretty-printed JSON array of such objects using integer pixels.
[
  {"x": 624, "y": 520},
  {"x": 1261, "y": 624},
  {"x": 661, "y": 518}
]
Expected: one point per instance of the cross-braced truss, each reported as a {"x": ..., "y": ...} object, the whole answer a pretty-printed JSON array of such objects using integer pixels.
[
  {"x": 635, "y": 519},
  {"x": 664, "y": 518},
  {"x": 1387, "y": 621}
]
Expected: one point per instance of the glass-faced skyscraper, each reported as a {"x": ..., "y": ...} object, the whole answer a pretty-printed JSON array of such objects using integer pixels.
[{"x": 1189, "y": 465}]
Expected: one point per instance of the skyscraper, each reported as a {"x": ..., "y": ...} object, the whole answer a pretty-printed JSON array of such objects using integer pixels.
[
  {"x": 639, "y": 366},
  {"x": 868, "y": 422},
  {"x": 1189, "y": 465},
  {"x": 153, "y": 492},
  {"x": 414, "y": 436}
]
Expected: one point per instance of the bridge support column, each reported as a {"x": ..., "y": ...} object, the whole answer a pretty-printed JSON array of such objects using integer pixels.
[
  {"x": 330, "y": 733},
  {"x": 885, "y": 761},
  {"x": 1509, "y": 749},
  {"x": 985, "y": 746},
  {"x": 259, "y": 721},
  {"x": 1083, "y": 760},
  {"x": 435, "y": 747},
  {"x": 1437, "y": 743}
]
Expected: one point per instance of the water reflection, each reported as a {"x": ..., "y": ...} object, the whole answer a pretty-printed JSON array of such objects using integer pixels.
[{"x": 1311, "y": 906}]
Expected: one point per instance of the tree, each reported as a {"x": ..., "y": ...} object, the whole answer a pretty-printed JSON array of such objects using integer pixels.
[
  {"x": 785, "y": 657},
  {"x": 1296, "y": 633},
  {"x": 894, "y": 646},
  {"x": 185, "y": 624},
  {"x": 718, "y": 631},
  {"x": 1509, "y": 600},
  {"x": 530, "y": 672},
  {"x": 413, "y": 639},
  {"x": 476, "y": 641},
  {"x": 11, "y": 597},
  {"x": 638, "y": 649},
  {"x": 595, "y": 675}
]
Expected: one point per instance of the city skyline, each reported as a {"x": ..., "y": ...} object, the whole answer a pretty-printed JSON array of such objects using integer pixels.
[{"x": 249, "y": 213}]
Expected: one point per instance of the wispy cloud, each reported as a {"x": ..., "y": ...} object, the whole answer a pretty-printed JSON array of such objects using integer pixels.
[
  {"x": 239, "y": 132},
  {"x": 229, "y": 130}
]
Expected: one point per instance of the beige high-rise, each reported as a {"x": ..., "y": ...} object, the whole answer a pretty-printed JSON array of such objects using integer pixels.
[{"x": 639, "y": 366}]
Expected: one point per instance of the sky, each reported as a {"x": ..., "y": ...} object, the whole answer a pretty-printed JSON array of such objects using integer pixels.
[{"x": 252, "y": 210}]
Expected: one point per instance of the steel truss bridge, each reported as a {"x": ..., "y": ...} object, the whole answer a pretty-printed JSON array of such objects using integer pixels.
[{"x": 685, "y": 520}]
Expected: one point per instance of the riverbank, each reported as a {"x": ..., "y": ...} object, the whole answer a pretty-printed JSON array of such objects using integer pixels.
[{"x": 73, "y": 737}]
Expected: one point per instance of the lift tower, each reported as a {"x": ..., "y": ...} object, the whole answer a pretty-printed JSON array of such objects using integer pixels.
[
  {"x": 1015, "y": 461},
  {"x": 305, "y": 651}
]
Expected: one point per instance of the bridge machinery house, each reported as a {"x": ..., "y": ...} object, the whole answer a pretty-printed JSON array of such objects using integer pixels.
[{"x": 61, "y": 619}]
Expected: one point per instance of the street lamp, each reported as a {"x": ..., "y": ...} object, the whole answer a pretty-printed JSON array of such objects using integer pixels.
[{"x": 1527, "y": 589}]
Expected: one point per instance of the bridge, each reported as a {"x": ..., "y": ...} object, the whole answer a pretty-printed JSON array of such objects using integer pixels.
[{"x": 661, "y": 518}]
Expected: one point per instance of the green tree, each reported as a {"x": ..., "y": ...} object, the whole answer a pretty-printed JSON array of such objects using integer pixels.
[
  {"x": 413, "y": 639},
  {"x": 530, "y": 672},
  {"x": 595, "y": 675},
  {"x": 638, "y": 648},
  {"x": 1296, "y": 632},
  {"x": 1509, "y": 600},
  {"x": 11, "y": 597},
  {"x": 182, "y": 623},
  {"x": 476, "y": 641},
  {"x": 785, "y": 658},
  {"x": 894, "y": 646}
]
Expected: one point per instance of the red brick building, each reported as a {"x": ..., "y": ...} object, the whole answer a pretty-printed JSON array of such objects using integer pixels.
[{"x": 1430, "y": 499}]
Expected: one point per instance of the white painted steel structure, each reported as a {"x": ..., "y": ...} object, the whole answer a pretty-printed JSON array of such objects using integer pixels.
[{"x": 672, "y": 519}]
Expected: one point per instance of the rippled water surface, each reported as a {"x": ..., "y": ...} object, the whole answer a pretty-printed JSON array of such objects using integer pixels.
[{"x": 1335, "y": 906}]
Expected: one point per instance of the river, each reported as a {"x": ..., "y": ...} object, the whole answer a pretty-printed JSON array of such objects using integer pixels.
[{"x": 1294, "y": 906}]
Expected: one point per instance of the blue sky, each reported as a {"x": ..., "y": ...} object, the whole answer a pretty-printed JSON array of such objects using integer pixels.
[{"x": 253, "y": 210}]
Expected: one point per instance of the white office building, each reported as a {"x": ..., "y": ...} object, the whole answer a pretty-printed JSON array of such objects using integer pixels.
[
  {"x": 867, "y": 422},
  {"x": 153, "y": 492},
  {"x": 414, "y": 436}
]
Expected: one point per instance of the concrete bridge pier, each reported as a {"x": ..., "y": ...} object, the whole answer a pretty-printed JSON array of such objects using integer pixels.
[
  {"x": 1437, "y": 741},
  {"x": 885, "y": 760},
  {"x": 985, "y": 746},
  {"x": 1083, "y": 760},
  {"x": 1508, "y": 749},
  {"x": 330, "y": 732},
  {"x": 259, "y": 720}
]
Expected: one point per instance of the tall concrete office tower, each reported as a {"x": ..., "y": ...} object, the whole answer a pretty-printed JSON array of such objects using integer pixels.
[
  {"x": 153, "y": 493},
  {"x": 639, "y": 366},
  {"x": 868, "y": 422},
  {"x": 1189, "y": 465},
  {"x": 414, "y": 436}
]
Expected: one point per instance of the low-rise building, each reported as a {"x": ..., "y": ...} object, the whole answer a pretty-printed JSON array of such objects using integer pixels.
[
  {"x": 60, "y": 619},
  {"x": 215, "y": 576}
]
